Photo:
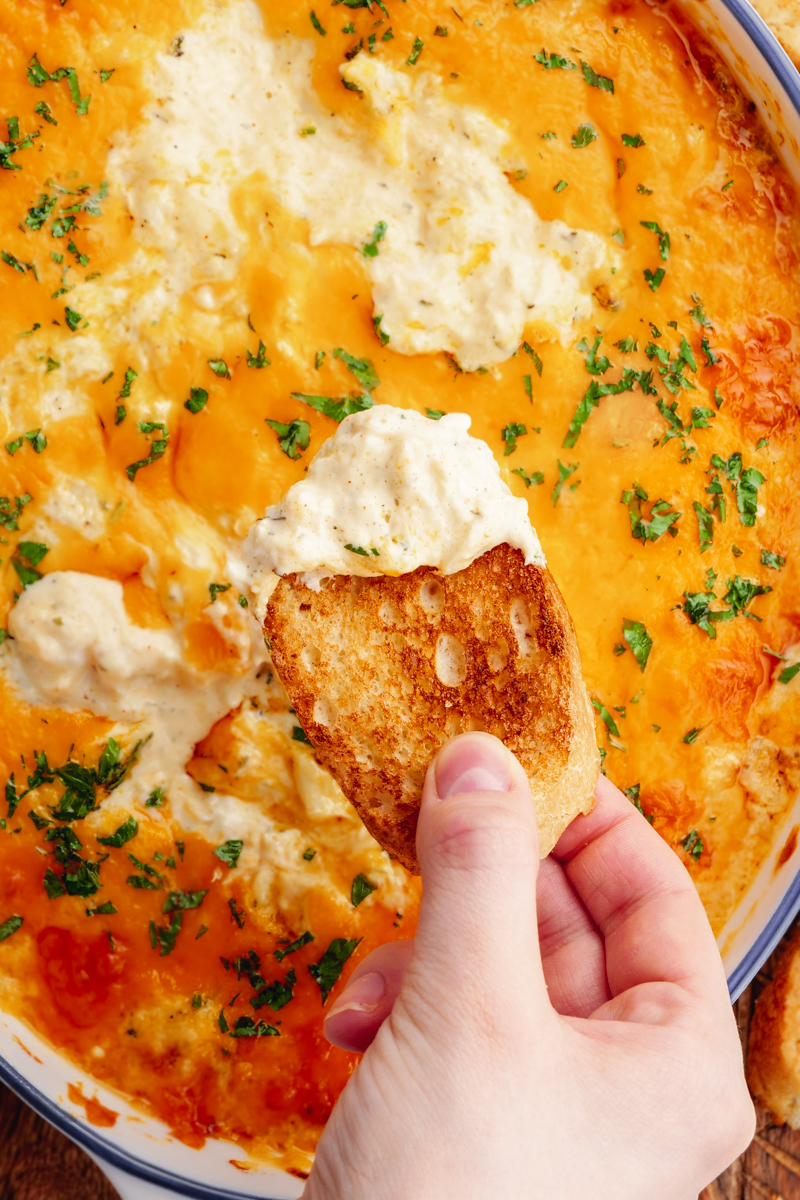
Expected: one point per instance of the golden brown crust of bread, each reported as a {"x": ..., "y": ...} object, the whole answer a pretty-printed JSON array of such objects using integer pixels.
[
  {"x": 381, "y": 672},
  {"x": 773, "y": 1053}
]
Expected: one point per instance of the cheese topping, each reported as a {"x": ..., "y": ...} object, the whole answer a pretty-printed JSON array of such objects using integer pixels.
[
  {"x": 464, "y": 262},
  {"x": 389, "y": 492}
]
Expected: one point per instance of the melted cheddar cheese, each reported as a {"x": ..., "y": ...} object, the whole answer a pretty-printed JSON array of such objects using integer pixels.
[{"x": 571, "y": 227}]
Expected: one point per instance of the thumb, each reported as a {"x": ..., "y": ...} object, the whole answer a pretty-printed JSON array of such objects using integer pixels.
[{"x": 478, "y": 849}]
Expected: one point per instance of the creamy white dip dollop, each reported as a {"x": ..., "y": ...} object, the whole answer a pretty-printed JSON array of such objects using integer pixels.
[{"x": 389, "y": 492}]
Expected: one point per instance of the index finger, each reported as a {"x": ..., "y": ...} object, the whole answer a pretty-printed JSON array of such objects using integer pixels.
[{"x": 641, "y": 898}]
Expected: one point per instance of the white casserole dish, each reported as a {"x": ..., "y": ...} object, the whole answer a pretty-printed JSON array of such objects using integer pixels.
[{"x": 138, "y": 1154}]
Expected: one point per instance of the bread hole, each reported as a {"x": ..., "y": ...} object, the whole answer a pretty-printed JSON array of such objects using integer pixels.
[
  {"x": 497, "y": 656},
  {"x": 522, "y": 625},
  {"x": 451, "y": 661},
  {"x": 431, "y": 597},
  {"x": 324, "y": 713},
  {"x": 390, "y": 613},
  {"x": 310, "y": 656},
  {"x": 398, "y": 641}
]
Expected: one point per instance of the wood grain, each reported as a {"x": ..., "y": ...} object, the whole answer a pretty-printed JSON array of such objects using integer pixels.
[{"x": 39, "y": 1163}]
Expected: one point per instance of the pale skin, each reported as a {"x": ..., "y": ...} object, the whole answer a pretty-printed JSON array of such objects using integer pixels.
[{"x": 555, "y": 1031}]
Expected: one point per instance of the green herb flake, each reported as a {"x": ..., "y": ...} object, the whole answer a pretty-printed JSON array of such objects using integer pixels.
[
  {"x": 229, "y": 852},
  {"x": 360, "y": 889},
  {"x": 299, "y": 734},
  {"x": 554, "y": 62},
  {"x": 692, "y": 843},
  {"x": 362, "y": 368},
  {"x": 585, "y": 135},
  {"x": 563, "y": 475},
  {"x": 770, "y": 559},
  {"x": 10, "y": 926},
  {"x": 691, "y": 737},
  {"x": 639, "y": 641},
  {"x": 257, "y": 361},
  {"x": 606, "y": 717},
  {"x": 416, "y": 50},
  {"x": 327, "y": 971},
  {"x": 123, "y": 834},
  {"x": 198, "y": 398},
  {"x": 370, "y": 248},
  {"x": 559, "y": 187},
  {"x": 292, "y": 438},
  {"x": 788, "y": 673},
  {"x": 509, "y": 434},
  {"x": 102, "y": 910},
  {"x": 594, "y": 80},
  {"x": 336, "y": 408},
  {"x": 633, "y": 139},
  {"x": 315, "y": 22},
  {"x": 183, "y": 901},
  {"x": 654, "y": 278},
  {"x": 663, "y": 239},
  {"x": 276, "y": 994},
  {"x": 535, "y": 477},
  {"x": 165, "y": 937},
  {"x": 309, "y": 854},
  {"x": 298, "y": 944}
]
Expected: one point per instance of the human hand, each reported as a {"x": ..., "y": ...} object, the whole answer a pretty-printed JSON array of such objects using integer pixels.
[{"x": 569, "y": 1041}]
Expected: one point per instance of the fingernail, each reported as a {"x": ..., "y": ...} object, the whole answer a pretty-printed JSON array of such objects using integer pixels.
[
  {"x": 361, "y": 995},
  {"x": 472, "y": 763}
]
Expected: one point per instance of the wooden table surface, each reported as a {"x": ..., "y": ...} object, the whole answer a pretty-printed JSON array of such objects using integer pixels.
[{"x": 39, "y": 1163}]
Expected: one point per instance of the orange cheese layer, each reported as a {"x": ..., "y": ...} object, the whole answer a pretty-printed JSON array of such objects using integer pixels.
[{"x": 703, "y": 172}]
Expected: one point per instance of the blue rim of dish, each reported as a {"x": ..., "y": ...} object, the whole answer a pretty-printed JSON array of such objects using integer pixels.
[{"x": 787, "y": 76}]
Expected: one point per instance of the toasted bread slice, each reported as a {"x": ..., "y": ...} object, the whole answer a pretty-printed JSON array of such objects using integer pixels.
[
  {"x": 381, "y": 672},
  {"x": 773, "y": 1053}
]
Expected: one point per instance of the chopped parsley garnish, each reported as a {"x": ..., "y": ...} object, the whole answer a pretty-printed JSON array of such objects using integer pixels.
[
  {"x": 360, "y": 889},
  {"x": 534, "y": 477},
  {"x": 383, "y": 337},
  {"x": 526, "y": 383},
  {"x": 83, "y": 882},
  {"x": 236, "y": 913},
  {"x": 537, "y": 362},
  {"x": 435, "y": 414},
  {"x": 164, "y": 938},
  {"x": 370, "y": 248},
  {"x": 247, "y": 1027},
  {"x": 276, "y": 994},
  {"x": 627, "y": 345},
  {"x": 336, "y": 408},
  {"x": 38, "y": 76},
  {"x": 644, "y": 191},
  {"x": 416, "y": 50},
  {"x": 654, "y": 278},
  {"x": 106, "y": 75},
  {"x": 102, "y": 910},
  {"x": 563, "y": 475},
  {"x": 11, "y": 925},
  {"x": 596, "y": 391},
  {"x": 292, "y": 438},
  {"x": 661, "y": 519},
  {"x": 711, "y": 358},
  {"x": 44, "y": 110},
  {"x": 72, "y": 317},
  {"x": 298, "y": 944},
  {"x": 9, "y": 516},
  {"x": 595, "y": 80},
  {"x": 594, "y": 365},
  {"x": 299, "y": 734},
  {"x": 788, "y": 673},
  {"x": 362, "y": 368},
  {"x": 606, "y": 717},
  {"x": 639, "y": 641},
  {"x": 309, "y": 854},
  {"x": 509, "y": 434},
  {"x": 143, "y": 883},
  {"x": 229, "y": 852},
  {"x": 15, "y": 262},
  {"x": 705, "y": 526},
  {"x": 155, "y": 799},
  {"x": 441, "y": 31},
  {"x": 559, "y": 187},
  {"x": 326, "y": 972},
  {"x": 198, "y": 397},
  {"x": 692, "y": 843},
  {"x": 157, "y": 448},
  {"x": 37, "y": 440},
  {"x": 746, "y": 482},
  {"x": 698, "y": 312},
  {"x": 585, "y": 135},
  {"x": 215, "y": 589},
  {"x": 633, "y": 139},
  {"x": 123, "y": 834},
  {"x": 741, "y": 592},
  {"x": 183, "y": 901},
  {"x": 770, "y": 559},
  {"x": 553, "y": 62},
  {"x": 53, "y": 885},
  {"x": 219, "y": 367},
  {"x": 663, "y": 240},
  {"x": 38, "y": 214},
  {"x": 315, "y": 22}
]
